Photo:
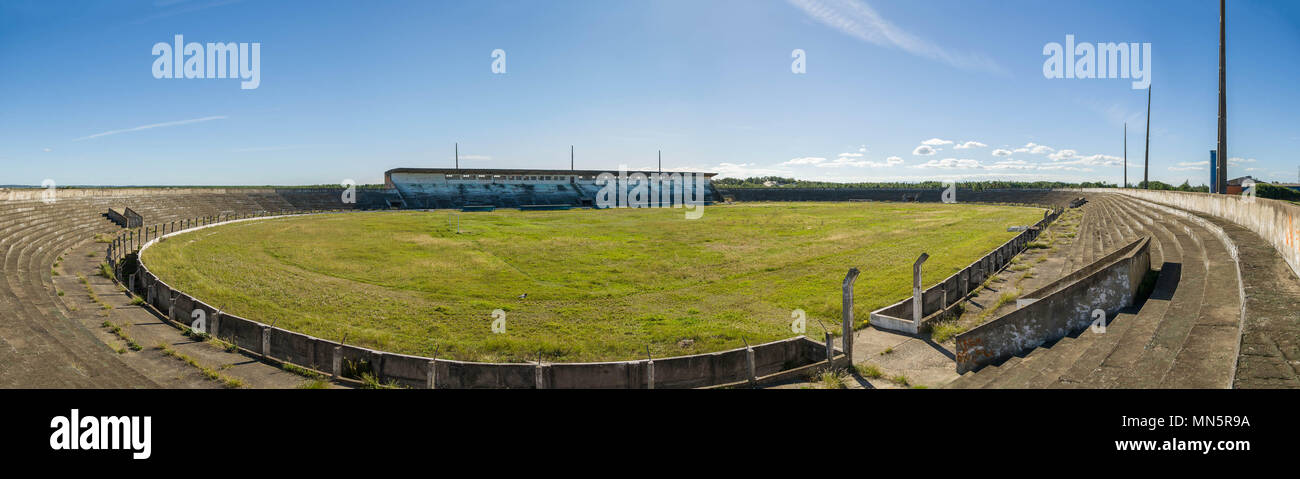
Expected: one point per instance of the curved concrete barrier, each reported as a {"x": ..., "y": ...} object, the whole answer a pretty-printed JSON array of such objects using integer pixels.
[{"x": 771, "y": 361}]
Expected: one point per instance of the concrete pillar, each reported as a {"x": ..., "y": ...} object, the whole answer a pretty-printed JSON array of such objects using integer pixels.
[
  {"x": 214, "y": 325},
  {"x": 432, "y": 375},
  {"x": 538, "y": 378},
  {"x": 649, "y": 374},
  {"x": 846, "y": 311},
  {"x": 338, "y": 362},
  {"x": 171, "y": 307},
  {"x": 130, "y": 283},
  {"x": 266, "y": 342},
  {"x": 377, "y": 365},
  {"x": 830, "y": 349},
  {"x": 749, "y": 365},
  {"x": 917, "y": 303}
]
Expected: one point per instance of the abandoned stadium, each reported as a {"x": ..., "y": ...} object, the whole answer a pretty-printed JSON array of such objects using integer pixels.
[{"x": 1194, "y": 290}]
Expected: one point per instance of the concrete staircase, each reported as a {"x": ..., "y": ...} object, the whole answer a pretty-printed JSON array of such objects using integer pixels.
[
  {"x": 42, "y": 342},
  {"x": 1184, "y": 336}
]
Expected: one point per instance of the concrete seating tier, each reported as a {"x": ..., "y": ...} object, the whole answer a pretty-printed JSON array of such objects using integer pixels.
[{"x": 1184, "y": 336}]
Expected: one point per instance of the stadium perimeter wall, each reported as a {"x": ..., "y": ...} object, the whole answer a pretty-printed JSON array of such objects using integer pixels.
[
  {"x": 1042, "y": 197},
  {"x": 1273, "y": 220},
  {"x": 761, "y": 363}
]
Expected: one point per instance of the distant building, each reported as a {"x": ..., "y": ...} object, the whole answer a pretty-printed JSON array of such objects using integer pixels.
[
  {"x": 513, "y": 188},
  {"x": 1234, "y": 185}
]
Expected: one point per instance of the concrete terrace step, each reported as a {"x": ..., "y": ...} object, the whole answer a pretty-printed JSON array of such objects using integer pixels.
[
  {"x": 1128, "y": 327},
  {"x": 41, "y": 345},
  {"x": 1182, "y": 336}
]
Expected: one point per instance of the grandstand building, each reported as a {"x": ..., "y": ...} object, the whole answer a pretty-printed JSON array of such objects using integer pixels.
[{"x": 527, "y": 188}]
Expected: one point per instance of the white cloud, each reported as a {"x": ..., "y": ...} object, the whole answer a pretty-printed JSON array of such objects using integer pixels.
[
  {"x": 842, "y": 160},
  {"x": 153, "y": 125},
  {"x": 936, "y": 142},
  {"x": 923, "y": 150},
  {"x": 951, "y": 163},
  {"x": 1061, "y": 166},
  {"x": 858, "y": 20},
  {"x": 1001, "y": 152},
  {"x": 1063, "y": 155},
  {"x": 742, "y": 170},
  {"x": 1034, "y": 149},
  {"x": 807, "y": 160},
  {"x": 970, "y": 144},
  {"x": 1010, "y": 164},
  {"x": 1237, "y": 160},
  {"x": 47, "y": 150},
  {"x": 891, "y": 161},
  {"x": 1191, "y": 166}
]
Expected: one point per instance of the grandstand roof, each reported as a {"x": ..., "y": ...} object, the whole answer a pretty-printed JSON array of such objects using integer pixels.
[{"x": 513, "y": 171}]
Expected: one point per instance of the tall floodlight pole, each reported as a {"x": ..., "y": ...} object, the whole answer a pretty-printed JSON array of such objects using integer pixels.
[
  {"x": 661, "y": 161},
  {"x": 458, "y": 155},
  {"x": 1146, "y": 161},
  {"x": 1223, "y": 99},
  {"x": 570, "y": 157},
  {"x": 1125, "y": 185}
]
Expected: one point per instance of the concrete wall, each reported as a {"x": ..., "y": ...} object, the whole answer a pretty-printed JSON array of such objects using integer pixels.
[
  {"x": 1044, "y": 198},
  {"x": 940, "y": 299},
  {"x": 1058, "y": 309},
  {"x": 700, "y": 370},
  {"x": 1278, "y": 222}
]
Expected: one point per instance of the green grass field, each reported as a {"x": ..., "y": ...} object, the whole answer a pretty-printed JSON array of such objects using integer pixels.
[{"x": 600, "y": 284}]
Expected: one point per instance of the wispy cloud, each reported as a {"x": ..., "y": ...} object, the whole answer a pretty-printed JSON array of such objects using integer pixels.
[
  {"x": 154, "y": 125},
  {"x": 857, "y": 19},
  {"x": 844, "y": 159}
]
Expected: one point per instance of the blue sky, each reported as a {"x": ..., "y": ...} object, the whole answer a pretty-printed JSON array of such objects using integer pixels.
[{"x": 350, "y": 89}]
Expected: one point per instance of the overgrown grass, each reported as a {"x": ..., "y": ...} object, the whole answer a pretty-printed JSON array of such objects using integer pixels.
[
  {"x": 208, "y": 373},
  {"x": 122, "y": 334},
  {"x": 1007, "y": 297},
  {"x": 315, "y": 384},
  {"x": 901, "y": 380},
  {"x": 91, "y": 292},
  {"x": 601, "y": 285},
  {"x": 105, "y": 270},
  {"x": 369, "y": 381},
  {"x": 945, "y": 330},
  {"x": 832, "y": 379},
  {"x": 869, "y": 371},
  {"x": 301, "y": 371}
]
